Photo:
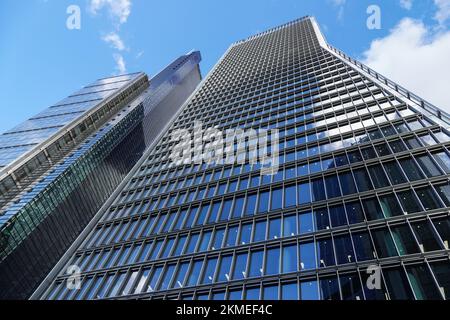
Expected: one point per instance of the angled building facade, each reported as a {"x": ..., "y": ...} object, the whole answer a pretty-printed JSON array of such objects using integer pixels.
[
  {"x": 357, "y": 208},
  {"x": 59, "y": 167}
]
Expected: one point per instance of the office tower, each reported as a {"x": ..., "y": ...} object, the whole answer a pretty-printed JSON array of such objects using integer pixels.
[
  {"x": 356, "y": 209},
  {"x": 59, "y": 167}
]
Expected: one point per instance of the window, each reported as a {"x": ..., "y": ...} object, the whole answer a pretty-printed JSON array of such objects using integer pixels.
[
  {"x": 272, "y": 261},
  {"x": 443, "y": 160},
  {"x": 332, "y": 186},
  {"x": 428, "y": 198},
  {"x": 192, "y": 244},
  {"x": 263, "y": 202},
  {"x": 277, "y": 198},
  {"x": 240, "y": 266},
  {"x": 251, "y": 204},
  {"x": 422, "y": 283},
  {"x": 224, "y": 268},
  {"x": 304, "y": 193},
  {"x": 210, "y": 268},
  {"x": 347, "y": 183},
  {"x": 167, "y": 277},
  {"x": 246, "y": 232},
  {"x": 290, "y": 196},
  {"x": 289, "y": 291},
  {"x": 378, "y": 176},
  {"x": 362, "y": 180},
  {"x": 318, "y": 191},
  {"x": 329, "y": 289},
  {"x": 383, "y": 243},
  {"x": 355, "y": 213},
  {"x": 289, "y": 225},
  {"x": 390, "y": 206},
  {"x": 404, "y": 239},
  {"x": 325, "y": 253},
  {"x": 194, "y": 273},
  {"x": 428, "y": 166},
  {"x": 363, "y": 246},
  {"x": 306, "y": 222},
  {"x": 256, "y": 264},
  {"x": 372, "y": 209},
  {"x": 411, "y": 169},
  {"x": 218, "y": 239},
  {"x": 351, "y": 287},
  {"x": 397, "y": 284},
  {"x": 270, "y": 292},
  {"x": 206, "y": 238},
  {"x": 322, "y": 219},
  {"x": 344, "y": 249},
  {"x": 260, "y": 231},
  {"x": 289, "y": 258},
  {"x": 409, "y": 202},
  {"x": 309, "y": 290},
  {"x": 274, "y": 228},
  {"x": 443, "y": 228},
  {"x": 180, "y": 275},
  {"x": 425, "y": 236},
  {"x": 238, "y": 206},
  {"x": 337, "y": 216},
  {"x": 231, "y": 236}
]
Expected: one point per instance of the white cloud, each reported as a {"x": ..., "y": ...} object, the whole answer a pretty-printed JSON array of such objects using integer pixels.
[
  {"x": 118, "y": 9},
  {"x": 443, "y": 13},
  {"x": 120, "y": 63},
  {"x": 416, "y": 57},
  {"x": 406, "y": 4},
  {"x": 114, "y": 40}
]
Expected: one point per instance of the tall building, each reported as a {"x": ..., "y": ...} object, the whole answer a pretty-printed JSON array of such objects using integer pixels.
[
  {"x": 59, "y": 167},
  {"x": 357, "y": 207}
]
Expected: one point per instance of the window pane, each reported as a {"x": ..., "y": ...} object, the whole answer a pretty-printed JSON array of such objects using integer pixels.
[
  {"x": 329, "y": 289},
  {"x": 441, "y": 270},
  {"x": 306, "y": 222},
  {"x": 390, "y": 206},
  {"x": 442, "y": 226},
  {"x": 309, "y": 290},
  {"x": 378, "y": 176},
  {"x": 304, "y": 193},
  {"x": 274, "y": 228},
  {"x": 411, "y": 169},
  {"x": 383, "y": 243},
  {"x": 224, "y": 269},
  {"x": 307, "y": 256},
  {"x": 428, "y": 198},
  {"x": 347, "y": 183},
  {"x": 426, "y": 237},
  {"x": 240, "y": 265},
  {"x": 372, "y": 209},
  {"x": 256, "y": 264},
  {"x": 397, "y": 284},
  {"x": 344, "y": 249},
  {"x": 272, "y": 261},
  {"x": 325, "y": 253},
  {"x": 404, "y": 239},
  {"x": 337, "y": 216},
  {"x": 277, "y": 197},
  {"x": 318, "y": 190},
  {"x": 351, "y": 287},
  {"x": 289, "y": 291},
  {"x": 289, "y": 258},
  {"x": 289, "y": 226},
  {"x": 332, "y": 186},
  {"x": 428, "y": 166},
  {"x": 231, "y": 236},
  {"x": 363, "y": 246},
  {"x": 194, "y": 273},
  {"x": 409, "y": 202},
  {"x": 362, "y": 180},
  {"x": 322, "y": 219},
  {"x": 422, "y": 283},
  {"x": 290, "y": 196},
  {"x": 246, "y": 232},
  {"x": 355, "y": 212},
  {"x": 394, "y": 172}
]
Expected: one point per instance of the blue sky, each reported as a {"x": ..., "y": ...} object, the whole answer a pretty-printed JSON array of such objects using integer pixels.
[{"x": 42, "y": 61}]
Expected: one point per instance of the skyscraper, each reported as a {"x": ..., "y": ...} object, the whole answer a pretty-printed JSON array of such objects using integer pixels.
[
  {"x": 356, "y": 208},
  {"x": 60, "y": 166}
]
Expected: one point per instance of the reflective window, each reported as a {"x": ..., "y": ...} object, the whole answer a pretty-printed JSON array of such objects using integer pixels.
[
  {"x": 344, "y": 249},
  {"x": 256, "y": 264},
  {"x": 325, "y": 253},
  {"x": 272, "y": 261},
  {"x": 306, "y": 222},
  {"x": 240, "y": 266},
  {"x": 329, "y": 289},
  {"x": 426, "y": 236},
  {"x": 307, "y": 256},
  {"x": 309, "y": 290}
]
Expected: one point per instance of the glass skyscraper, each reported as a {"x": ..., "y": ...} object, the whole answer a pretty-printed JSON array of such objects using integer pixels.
[
  {"x": 59, "y": 167},
  {"x": 357, "y": 208}
]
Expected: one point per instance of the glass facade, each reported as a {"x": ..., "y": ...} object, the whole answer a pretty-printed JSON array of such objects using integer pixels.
[
  {"x": 363, "y": 182},
  {"x": 46, "y": 217}
]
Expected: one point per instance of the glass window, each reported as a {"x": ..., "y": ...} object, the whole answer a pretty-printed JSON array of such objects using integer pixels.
[
  {"x": 240, "y": 266},
  {"x": 425, "y": 236},
  {"x": 289, "y": 258},
  {"x": 263, "y": 202},
  {"x": 397, "y": 284},
  {"x": 404, "y": 239},
  {"x": 307, "y": 256},
  {"x": 383, "y": 243},
  {"x": 428, "y": 198},
  {"x": 290, "y": 196},
  {"x": 362, "y": 180},
  {"x": 272, "y": 261},
  {"x": 206, "y": 239},
  {"x": 274, "y": 228},
  {"x": 179, "y": 246},
  {"x": 351, "y": 287},
  {"x": 153, "y": 282},
  {"x": 167, "y": 277},
  {"x": 180, "y": 275},
  {"x": 390, "y": 206},
  {"x": 355, "y": 212},
  {"x": 332, "y": 186},
  {"x": 347, "y": 183},
  {"x": 309, "y": 290},
  {"x": 226, "y": 209},
  {"x": 260, "y": 231},
  {"x": 270, "y": 292},
  {"x": 224, "y": 268},
  {"x": 238, "y": 206},
  {"x": 441, "y": 270},
  {"x": 409, "y": 202},
  {"x": 306, "y": 222},
  {"x": 289, "y": 226},
  {"x": 250, "y": 205},
  {"x": 246, "y": 232},
  {"x": 192, "y": 244},
  {"x": 218, "y": 239},
  {"x": 344, "y": 249},
  {"x": 194, "y": 273},
  {"x": 329, "y": 289},
  {"x": 277, "y": 198},
  {"x": 210, "y": 268},
  {"x": 322, "y": 219},
  {"x": 231, "y": 236},
  {"x": 394, "y": 172},
  {"x": 325, "y": 253},
  {"x": 411, "y": 169},
  {"x": 422, "y": 282},
  {"x": 318, "y": 191},
  {"x": 442, "y": 226},
  {"x": 372, "y": 209},
  {"x": 337, "y": 216},
  {"x": 443, "y": 160},
  {"x": 304, "y": 193},
  {"x": 428, "y": 166},
  {"x": 289, "y": 291},
  {"x": 444, "y": 193},
  {"x": 378, "y": 176},
  {"x": 252, "y": 293},
  {"x": 256, "y": 264},
  {"x": 363, "y": 246}
]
